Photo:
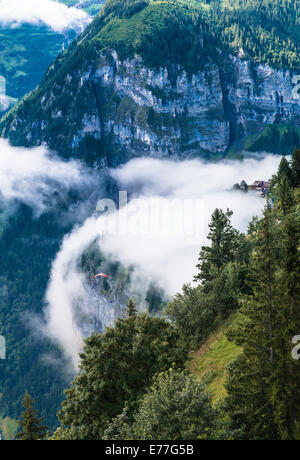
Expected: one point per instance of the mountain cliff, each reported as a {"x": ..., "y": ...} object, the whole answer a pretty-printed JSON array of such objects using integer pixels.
[{"x": 163, "y": 78}]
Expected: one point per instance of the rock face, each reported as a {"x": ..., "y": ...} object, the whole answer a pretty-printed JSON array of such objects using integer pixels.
[
  {"x": 113, "y": 109},
  {"x": 262, "y": 95}
]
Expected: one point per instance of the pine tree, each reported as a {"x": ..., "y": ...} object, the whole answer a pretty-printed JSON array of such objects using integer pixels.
[
  {"x": 285, "y": 170},
  {"x": 32, "y": 426},
  {"x": 286, "y": 375},
  {"x": 282, "y": 186},
  {"x": 296, "y": 166},
  {"x": 131, "y": 310},
  {"x": 285, "y": 194},
  {"x": 249, "y": 401},
  {"x": 263, "y": 387},
  {"x": 223, "y": 239}
]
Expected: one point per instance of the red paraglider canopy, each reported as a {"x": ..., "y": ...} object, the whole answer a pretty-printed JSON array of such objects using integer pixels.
[{"x": 101, "y": 275}]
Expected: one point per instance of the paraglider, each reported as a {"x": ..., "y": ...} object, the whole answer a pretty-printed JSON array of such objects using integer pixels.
[{"x": 101, "y": 275}]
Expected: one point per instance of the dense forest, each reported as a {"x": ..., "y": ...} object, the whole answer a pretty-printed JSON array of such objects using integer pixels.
[
  {"x": 136, "y": 380},
  {"x": 190, "y": 32},
  {"x": 31, "y": 243}
]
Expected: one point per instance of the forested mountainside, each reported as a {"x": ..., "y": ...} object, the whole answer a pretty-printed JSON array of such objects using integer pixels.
[
  {"x": 26, "y": 51},
  {"x": 169, "y": 77},
  {"x": 251, "y": 278}
]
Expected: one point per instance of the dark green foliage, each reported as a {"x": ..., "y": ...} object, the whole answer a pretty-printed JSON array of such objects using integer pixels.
[
  {"x": 281, "y": 185},
  {"x": 279, "y": 139},
  {"x": 266, "y": 29},
  {"x": 223, "y": 239},
  {"x": 117, "y": 367},
  {"x": 296, "y": 166},
  {"x": 285, "y": 170},
  {"x": 193, "y": 316},
  {"x": 125, "y": 8},
  {"x": 222, "y": 271},
  {"x": 32, "y": 428},
  {"x": 285, "y": 378},
  {"x": 155, "y": 298},
  {"x": 27, "y": 247},
  {"x": 176, "y": 407},
  {"x": 189, "y": 31},
  {"x": 247, "y": 384},
  {"x": 131, "y": 310},
  {"x": 263, "y": 387},
  {"x": 222, "y": 265},
  {"x": 26, "y": 53}
]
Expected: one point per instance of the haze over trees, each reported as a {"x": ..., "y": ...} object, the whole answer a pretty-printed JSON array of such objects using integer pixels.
[{"x": 136, "y": 369}]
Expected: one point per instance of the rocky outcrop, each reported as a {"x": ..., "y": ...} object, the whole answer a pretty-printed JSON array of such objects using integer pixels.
[
  {"x": 261, "y": 95},
  {"x": 116, "y": 109}
]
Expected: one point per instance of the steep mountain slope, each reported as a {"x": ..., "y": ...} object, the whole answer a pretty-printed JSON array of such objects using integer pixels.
[
  {"x": 211, "y": 361},
  {"x": 166, "y": 78}
]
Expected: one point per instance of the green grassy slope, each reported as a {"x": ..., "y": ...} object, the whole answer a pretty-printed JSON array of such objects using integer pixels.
[{"x": 211, "y": 360}]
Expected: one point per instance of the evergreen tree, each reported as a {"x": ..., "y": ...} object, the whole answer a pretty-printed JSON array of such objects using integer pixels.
[
  {"x": 249, "y": 394},
  {"x": 282, "y": 184},
  {"x": 296, "y": 166},
  {"x": 286, "y": 374},
  {"x": 222, "y": 264},
  {"x": 223, "y": 239},
  {"x": 117, "y": 367},
  {"x": 131, "y": 310},
  {"x": 192, "y": 315},
  {"x": 263, "y": 386},
  {"x": 31, "y": 425},
  {"x": 285, "y": 194},
  {"x": 285, "y": 170},
  {"x": 176, "y": 407}
]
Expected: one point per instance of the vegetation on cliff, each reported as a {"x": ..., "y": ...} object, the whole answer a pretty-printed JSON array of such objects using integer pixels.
[{"x": 178, "y": 34}]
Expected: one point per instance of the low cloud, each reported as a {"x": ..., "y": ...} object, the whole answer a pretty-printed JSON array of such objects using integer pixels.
[
  {"x": 53, "y": 14},
  {"x": 36, "y": 177},
  {"x": 173, "y": 203},
  {"x": 160, "y": 244}
]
